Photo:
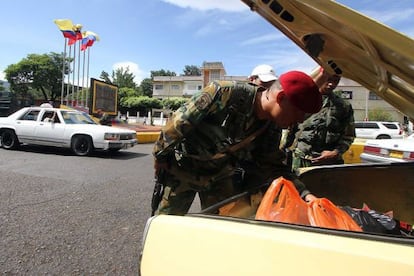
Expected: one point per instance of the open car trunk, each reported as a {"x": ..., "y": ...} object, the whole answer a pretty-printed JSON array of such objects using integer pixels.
[
  {"x": 226, "y": 239},
  {"x": 383, "y": 187}
]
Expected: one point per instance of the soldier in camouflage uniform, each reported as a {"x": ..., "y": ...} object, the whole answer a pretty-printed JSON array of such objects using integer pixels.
[
  {"x": 324, "y": 136},
  {"x": 226, "y": 128}
]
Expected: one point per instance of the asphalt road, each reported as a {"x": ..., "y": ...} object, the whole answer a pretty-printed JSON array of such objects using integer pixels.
[{"x": 66, "y": 215}]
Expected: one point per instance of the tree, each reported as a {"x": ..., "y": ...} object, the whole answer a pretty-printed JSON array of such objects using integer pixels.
[
  {"x": 173, "y": 103},
  {"x": 192, "y": 70},
  {"x": 121, "y": 77},
  {"x": 146, "y": 87},
  {"x": 105, "y": 76},
  {"x": 124, "y": 93},
  {"x": 141, "y": 104},
  {"x": 380, "y": 115},
  {"x": 37, "y": 72},
  {"x": 163, "y": 72}
]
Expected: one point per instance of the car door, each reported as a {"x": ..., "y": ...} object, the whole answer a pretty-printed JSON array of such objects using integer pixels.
[
  {"x": 50, "y": 133},
  {"x": 26, "y": 124},
  {"x": 367, "y": 130}
]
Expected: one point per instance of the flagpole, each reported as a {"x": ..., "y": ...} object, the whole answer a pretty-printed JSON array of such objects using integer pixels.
[
  {"x": 77, "y": 87},
  {"x": 73, "y": 74},
  {"x": 87, "y": 79},
  {"x": 69, "y": 72},
  {"x": 83, "y": 80},
  {"x": 63, "y": 73}
]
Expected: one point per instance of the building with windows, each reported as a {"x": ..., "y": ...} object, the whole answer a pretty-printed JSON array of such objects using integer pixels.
[
  {"x": 362, "y": 99},
  {"x": 187, "y": 86}
]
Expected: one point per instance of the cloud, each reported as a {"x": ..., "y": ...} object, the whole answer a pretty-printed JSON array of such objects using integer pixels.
[
  {"x": 205, "y": 5},
  {"x": 264, "y": 38},
  {"x": 390, "y": 16},
  {"x": 2, "y": 76},
  {"x": 133, "y": 68}
]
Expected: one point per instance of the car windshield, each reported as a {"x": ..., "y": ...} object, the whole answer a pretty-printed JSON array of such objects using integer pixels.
[{"x": 76, "y": 117}]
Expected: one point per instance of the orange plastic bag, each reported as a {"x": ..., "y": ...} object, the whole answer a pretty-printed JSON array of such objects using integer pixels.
[
  {"x": 283, "y": 203},
  {"x": 323, "y": 213}
]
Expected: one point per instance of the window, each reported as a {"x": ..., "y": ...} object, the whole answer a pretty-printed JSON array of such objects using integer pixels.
[
  {"x": 371, "y": 125},
  {"x": 159, "y": 87},
  {"x": 30, "y": 116},
  {"x": 175, "y": 87},
  {"x": 346, "y": 95},
  {"x": 373, "y": 96},
  {"x": 214, "y": 75},
  {"x": 390, "y": 126},
  {"x": 194, "y": 87},
  {"x": 366, "y": 125},
  {"x": 50, "y": 116}
]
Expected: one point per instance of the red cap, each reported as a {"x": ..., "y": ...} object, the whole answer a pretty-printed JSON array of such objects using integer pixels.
[{"x": 301, "y": 91}]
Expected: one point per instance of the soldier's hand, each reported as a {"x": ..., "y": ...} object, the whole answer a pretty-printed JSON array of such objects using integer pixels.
[
  {"x": 321, "y": 77},
  {"x": 325, "y": 156}
]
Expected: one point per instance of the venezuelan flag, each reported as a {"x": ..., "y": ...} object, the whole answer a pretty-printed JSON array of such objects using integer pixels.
[
  {"x": 67, "y": 27},
  {"x": 70, "y": 31},
  {"x": 88, "y": 39}
]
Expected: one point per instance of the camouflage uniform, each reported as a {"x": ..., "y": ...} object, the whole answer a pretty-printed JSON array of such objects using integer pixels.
[
  {"x": 198, "y": 145},
  {"x": 332, "y": 128}
]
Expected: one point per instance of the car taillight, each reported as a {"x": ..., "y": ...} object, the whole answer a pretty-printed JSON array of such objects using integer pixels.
[
  {"x": 409, "y": 156},
  {"x": 371, "y": 149},
  {"x": 376, "y": 150}
]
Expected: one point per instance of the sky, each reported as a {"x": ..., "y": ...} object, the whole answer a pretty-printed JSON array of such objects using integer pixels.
[{"x": 149, "y": 35}]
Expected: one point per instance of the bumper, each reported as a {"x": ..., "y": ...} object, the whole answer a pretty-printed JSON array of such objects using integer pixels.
[
  {"x": 122, "y": 144},
  {"x": 370, "y": 158}
]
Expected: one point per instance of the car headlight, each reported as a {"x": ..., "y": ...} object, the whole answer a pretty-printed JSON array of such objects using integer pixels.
[{"x": 111, "y": 136}]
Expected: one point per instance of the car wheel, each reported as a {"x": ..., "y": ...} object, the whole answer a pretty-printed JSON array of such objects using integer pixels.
[
  {"x": 82, "y": 145},
  {"x": 9, "y": 139},
  {"x": 383, "y": 136}
]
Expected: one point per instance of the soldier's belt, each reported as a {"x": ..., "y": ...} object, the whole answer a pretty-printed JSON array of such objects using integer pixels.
[{"x": 203, "y": 181}]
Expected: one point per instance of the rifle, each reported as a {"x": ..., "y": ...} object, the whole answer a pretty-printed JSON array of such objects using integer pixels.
[{"x": 158, "y": 191}]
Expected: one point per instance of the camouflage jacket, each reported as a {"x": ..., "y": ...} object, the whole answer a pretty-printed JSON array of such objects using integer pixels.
[
  {"x": 200, "y": 133},
  {"x": 332, "y": 128}
]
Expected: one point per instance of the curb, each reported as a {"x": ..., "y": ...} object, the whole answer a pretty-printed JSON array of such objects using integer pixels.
[{"x": 147, "y": 137}]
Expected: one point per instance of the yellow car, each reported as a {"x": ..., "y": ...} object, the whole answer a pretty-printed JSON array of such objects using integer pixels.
[{"x": 226, "y": 239}]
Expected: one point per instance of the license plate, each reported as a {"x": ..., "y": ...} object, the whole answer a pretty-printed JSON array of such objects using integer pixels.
[{"x": 396, "y": 154}]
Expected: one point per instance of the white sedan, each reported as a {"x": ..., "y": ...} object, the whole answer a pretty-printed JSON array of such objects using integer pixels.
[
  {"x": 65, "y": 128},
  {"x": 388, "y": 150}
]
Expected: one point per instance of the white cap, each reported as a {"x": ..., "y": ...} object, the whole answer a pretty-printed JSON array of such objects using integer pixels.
[
  {"x": 46, "y": 105},
  {"x": 264, "y": 72}
]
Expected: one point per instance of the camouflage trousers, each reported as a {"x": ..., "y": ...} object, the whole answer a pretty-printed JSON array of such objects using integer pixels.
[{"x": 181, "y": 187}]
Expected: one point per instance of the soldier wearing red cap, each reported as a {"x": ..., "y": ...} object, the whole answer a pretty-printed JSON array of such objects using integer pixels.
[{"x": 224, "y": 140}]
